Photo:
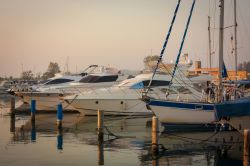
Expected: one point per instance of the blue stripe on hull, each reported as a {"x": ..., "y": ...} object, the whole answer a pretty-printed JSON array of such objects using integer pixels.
[
  {"x": 182, "y": 105},
  {"x": 240, "y": 107}
]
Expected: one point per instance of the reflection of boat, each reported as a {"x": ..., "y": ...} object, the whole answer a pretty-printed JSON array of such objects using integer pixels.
[
  {"x": 190, "y": 148},
  {"x": 48, "y": 96}
]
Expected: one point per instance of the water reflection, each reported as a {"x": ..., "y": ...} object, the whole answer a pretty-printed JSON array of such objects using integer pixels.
[
  {"x": 60, "y": 139},
  {"x": 12, "y": 123},
  {"x": 100, "y": 153},
  {"x": 126, "y": 142},
  {"x": 206, "y": 148},
  {"x": 33, "y": 131}
]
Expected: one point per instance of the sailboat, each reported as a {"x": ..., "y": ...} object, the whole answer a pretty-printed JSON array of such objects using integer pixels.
[
  {"x": 236, "y": 112},
  {"x": 183, "y": 112}
]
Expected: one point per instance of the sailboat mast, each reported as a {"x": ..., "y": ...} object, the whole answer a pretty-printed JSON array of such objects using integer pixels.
[
  {"x": 209, "y": 43},
  {"x": 235, "y": 47},
  {"x": 221, "y": 34}
]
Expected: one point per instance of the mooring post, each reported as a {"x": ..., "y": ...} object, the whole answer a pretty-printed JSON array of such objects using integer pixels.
[
  {"x": 59, "y": 115},
  {"x": 100, "y": 125},
  {"x": 246, "y": 147},
  {"x": 12, "y": 105},
  {"x": 33, "y": 131},
  {"x": 33, "y": 111},
  {"x": 155, "y": 131},
  {"x": 12, "y": 122},
  {"x": 100, "y": 153},
  {"x": 59, "y": 139}
]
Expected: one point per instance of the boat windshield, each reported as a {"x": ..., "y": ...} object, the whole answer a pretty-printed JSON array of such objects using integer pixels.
[
  {"x": 141, "y": 84},
  {"x": 58, "y": 81},
  {"x": 97, "y": 79}
]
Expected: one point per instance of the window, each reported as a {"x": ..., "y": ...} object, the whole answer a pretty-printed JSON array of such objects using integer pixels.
[
  {"x": 58, "y": 81},
  {"x": 156, "y": 83},
  {"x": 96, "y": 79}
]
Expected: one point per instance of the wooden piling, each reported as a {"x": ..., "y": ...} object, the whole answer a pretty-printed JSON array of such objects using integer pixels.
[
  {"x": 12, "y": 105},
  {"x": 155, "y": 131},
  {"x": 12, "y": 122},
  {"x": 59, "y": 139},
  {"x": 33, "y": 132},
  {"x": 100, "y": 124},
  {"x": 100, "y": 153},
  {"x": 246, "y": 160},
  {"x": 33, "y": 111},
  {"x": 59, "y": 115}
]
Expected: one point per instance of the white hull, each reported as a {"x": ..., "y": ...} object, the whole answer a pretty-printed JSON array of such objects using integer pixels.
[
  {"x": 111, "y": 106},
  {"x": 46, "y": 103},
  {"x": 182, "y": 116}
]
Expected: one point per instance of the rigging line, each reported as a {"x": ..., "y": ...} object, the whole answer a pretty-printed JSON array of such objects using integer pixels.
[
  {"x": 164, "y": 45},
  {"x": 177, "y": 78},
  {"x": 214, "y": 13},
  {"x": 188, "y": 79},
  {"x": 182, "y": 86},
  {"x": 183, "y": 39}
]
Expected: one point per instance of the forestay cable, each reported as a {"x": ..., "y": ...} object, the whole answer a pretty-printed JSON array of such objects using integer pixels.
[
  {"x": 164, "y": 45},
  {"x": 183, "y": 39}
]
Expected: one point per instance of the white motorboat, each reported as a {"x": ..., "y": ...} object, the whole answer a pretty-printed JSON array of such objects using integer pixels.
[
  {"x": 121, "y": 99},
  {"x": 48, "y": 95}
]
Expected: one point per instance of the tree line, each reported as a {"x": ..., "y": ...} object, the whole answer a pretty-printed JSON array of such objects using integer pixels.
[{"x": 52, "y": 69}]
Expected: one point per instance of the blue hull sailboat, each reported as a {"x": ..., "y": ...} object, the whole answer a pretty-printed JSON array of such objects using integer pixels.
[
  {"x": 235, "y": 112},
  {"x": 181, "y": 111}
]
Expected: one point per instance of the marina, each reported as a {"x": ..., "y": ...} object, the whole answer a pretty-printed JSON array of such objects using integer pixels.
[
  {"x": 126, "y": 142},
  {"x": 168, "y": 112}
]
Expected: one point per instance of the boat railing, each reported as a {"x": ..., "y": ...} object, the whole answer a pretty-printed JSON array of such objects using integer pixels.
[{"x": 125, "y": 90}]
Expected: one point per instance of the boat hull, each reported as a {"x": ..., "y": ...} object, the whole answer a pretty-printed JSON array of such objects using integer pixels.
[
  {"x": 45, "y": 101},
  {"x": 182, "y": 113},
  {"x": 236, "y": 113},
  {"x": 126, "y": 107}
]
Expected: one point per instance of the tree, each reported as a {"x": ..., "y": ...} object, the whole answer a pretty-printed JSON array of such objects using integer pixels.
[
  {"x": 150, "y": 61},
  {"x": 53, "y": 68},
  {"x": 27, "y": 75}
]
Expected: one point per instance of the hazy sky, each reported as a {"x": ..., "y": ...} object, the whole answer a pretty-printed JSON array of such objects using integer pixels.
[{"x": 118, "y": 33}]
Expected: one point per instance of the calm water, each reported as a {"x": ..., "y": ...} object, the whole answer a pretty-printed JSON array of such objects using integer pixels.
[{"x": 22, "y": 143}]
